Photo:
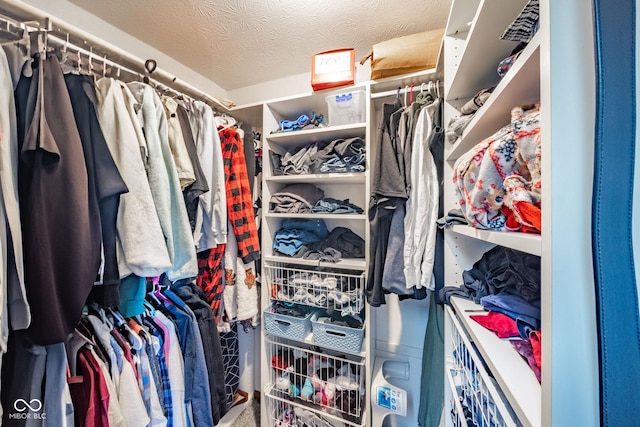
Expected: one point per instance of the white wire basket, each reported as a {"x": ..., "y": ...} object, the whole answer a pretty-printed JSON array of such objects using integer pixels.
[
  {"x": 474, "y": 396},
  {"x": 328, "y": 384},
  {"x": 285, "y": 414},
  {"x": 321, "y": 288}
]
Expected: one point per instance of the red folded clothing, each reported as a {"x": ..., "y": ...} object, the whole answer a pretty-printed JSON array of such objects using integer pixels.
[
  {"x": 536, "y": 344},
  {"x": 503, "y": 325}
]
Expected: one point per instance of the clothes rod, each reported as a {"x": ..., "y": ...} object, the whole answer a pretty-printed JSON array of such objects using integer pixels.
[
  {"x": 401, "y": 90},
  {"x": 20, "y": 11}
]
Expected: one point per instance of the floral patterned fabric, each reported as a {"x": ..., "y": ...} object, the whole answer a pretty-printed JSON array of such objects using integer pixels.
[{"x": 503, "y": 170}]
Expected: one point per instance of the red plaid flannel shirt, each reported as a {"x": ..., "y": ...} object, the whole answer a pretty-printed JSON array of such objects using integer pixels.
[{"x": 239, "y": 202}]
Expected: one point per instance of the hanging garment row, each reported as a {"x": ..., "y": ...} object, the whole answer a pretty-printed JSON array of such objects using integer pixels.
[
  {"x": 406, "y": 192},
  {"x": 106, "y": 183},
  {"x": 162, "y": 367}
]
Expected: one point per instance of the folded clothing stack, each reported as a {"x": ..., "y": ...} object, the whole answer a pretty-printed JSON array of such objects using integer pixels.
[
  {"x": 307, "y": 198},
  {"x": 309, "y": 239},
  {"x": 295, "y": 198},
  {"x": 339, "y": 155}
]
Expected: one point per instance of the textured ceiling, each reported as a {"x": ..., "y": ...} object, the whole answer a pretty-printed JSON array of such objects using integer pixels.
[{"x": 238, "y": 43}]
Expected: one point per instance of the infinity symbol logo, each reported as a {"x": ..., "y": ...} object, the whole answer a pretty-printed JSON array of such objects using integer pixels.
[{"x": 21, "y": 405}]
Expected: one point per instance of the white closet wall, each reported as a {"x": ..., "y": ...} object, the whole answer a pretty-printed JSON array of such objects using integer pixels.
[{"x": 70, "y": 13}]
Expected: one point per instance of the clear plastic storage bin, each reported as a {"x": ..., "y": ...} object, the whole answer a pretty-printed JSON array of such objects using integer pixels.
[{"x": 346, "y": 108}]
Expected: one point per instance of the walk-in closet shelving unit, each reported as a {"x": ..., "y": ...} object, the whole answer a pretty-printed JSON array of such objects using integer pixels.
[
  {"x": 487, "y": 373},
  {"x": 292, "y": 355}
]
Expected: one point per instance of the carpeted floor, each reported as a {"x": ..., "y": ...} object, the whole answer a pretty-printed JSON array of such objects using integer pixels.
[{"x": 250, "y": 417}]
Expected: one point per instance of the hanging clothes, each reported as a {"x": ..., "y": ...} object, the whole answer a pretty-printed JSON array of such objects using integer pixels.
[
  {"x": 14, "y": 308},
  {"x": 141, "y": 248},
  {"x": 422, "y": 205},
  {"x": 59, "y": 269},
  {"x": 36, "y": 372},
  {"x": 240, "y": 291},
  {"x": 193, "y": 191},
  {"x": 211, "y": 221},
  {"x": 175, "y": 135},
  {"x": 387, "y": 190},
  {"x": 211, "y": 277},
  {"x": 105, "y": 187},
  {"x": 165, "y": 186},
  {"x": 197, "y": 302},
  {"x": 239, "y": 203},
  {"x": 436, "y": 147},
  {"x": 197, "y": 390}
]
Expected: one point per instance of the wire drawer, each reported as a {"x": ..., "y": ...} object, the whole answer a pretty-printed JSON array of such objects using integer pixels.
[
  {"x": 285, "y": 414},
  {"x": 475, "y": 397},
  {"x": 326, "y": 383},
  {"x": 321, "y": 288}
]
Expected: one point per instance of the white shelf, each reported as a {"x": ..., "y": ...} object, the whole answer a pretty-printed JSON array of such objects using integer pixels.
[
  {"x": 520, "y": 86},
  {"x": 460, "y": 18},
  {"x": 307, "y": 136},
  {"x": 516, "y": 379},
  {"x": 354, "y": 217},
  {"x": 343, "y": 264},
  {"x": 321, "y": 178},
  {"x": 484, "y": 50},
  {"x": 525, "y": 242}
]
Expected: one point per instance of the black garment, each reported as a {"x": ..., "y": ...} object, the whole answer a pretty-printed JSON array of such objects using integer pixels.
[
  {"x": 380, "y": 215},
  {"x": 388, "y": 190},
  {"x": 388, "y": 179},
  {"x": 198, "y": 187},
  {"x": 348, "y": 243},
  {"x": 436, "y": 147},
  {"x": 57, "y": 224},
  {"x": 197, "y": 302},
  {"x": 23, "y": 374},
  {"x": 231, "y": 361},
  {"x": 249, "y": 154},
  {"x": 499, "y": 270},
  {"x": 105, "y": 186}
]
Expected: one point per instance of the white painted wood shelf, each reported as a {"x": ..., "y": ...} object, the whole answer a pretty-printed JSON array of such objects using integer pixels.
[
  {"x": 304, "y": 137},
  {"x": 321, "y": 178},
  {"x": 521, "y": 85},
  {"x": 341, "y": 217},
  {"x": 483, "y": 49},
  {"x": 525, "y": 242},
  {"x": 516, "y": 379}
]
